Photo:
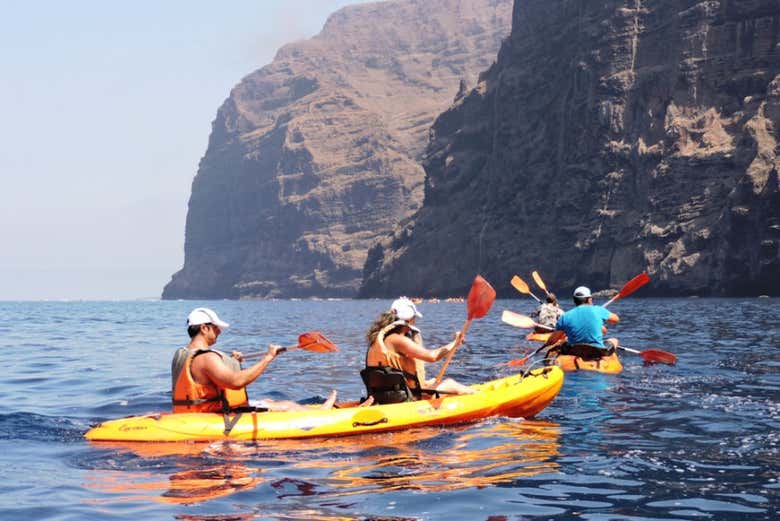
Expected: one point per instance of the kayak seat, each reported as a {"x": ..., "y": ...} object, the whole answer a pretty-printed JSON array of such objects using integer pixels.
[
  {"x": 387, "y": 385},
  {"x": 586, "y": 352}
]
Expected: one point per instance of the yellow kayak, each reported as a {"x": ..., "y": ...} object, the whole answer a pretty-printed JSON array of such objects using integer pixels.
[
  {"x": 606, "y": 364},
  {"x": 514, "y": 396}
]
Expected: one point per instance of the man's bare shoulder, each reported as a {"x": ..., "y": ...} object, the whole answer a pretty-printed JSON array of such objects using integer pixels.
[{"x": 207, "y": 358}]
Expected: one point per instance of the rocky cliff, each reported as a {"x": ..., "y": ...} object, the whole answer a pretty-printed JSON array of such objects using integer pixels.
[
  {"x": 610, "y": 137},
  {"x": 315, "y": 156}
]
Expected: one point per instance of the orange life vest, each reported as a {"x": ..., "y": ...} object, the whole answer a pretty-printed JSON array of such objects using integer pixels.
[{"x": 191, "y": 396}]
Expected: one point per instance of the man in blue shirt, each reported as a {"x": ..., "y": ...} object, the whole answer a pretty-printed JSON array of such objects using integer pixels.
[{"x": 583, "y": 327}]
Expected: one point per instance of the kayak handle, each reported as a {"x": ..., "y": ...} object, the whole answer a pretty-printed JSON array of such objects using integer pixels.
[{"x": 369, "y": 424}]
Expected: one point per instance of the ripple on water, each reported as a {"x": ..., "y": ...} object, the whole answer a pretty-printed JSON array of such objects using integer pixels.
[
  {"x": 710, "y": 506},
  {"x": 30, "y": 426}
]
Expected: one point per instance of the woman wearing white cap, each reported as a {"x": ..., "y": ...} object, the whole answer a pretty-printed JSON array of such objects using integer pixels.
[
  {"x": 583, "y": 327},
  {"x": 394, "y": 342},
  {"x": 207, "y": 380}
]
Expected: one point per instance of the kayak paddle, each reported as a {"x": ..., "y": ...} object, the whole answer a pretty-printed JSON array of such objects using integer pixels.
[
  {"x": 554, "y": 339},
  {"x": 517, "y": 320},
  {"x": 650, "y": 355},
  {"x": 520, "y": 285},
  {"x": 653, "y": 355},
  {"x": 481, "y": 297},
  {"x": 524, "y": 321},
  {"x": 630, "y": 287},
  {"x": 539, "y": 282},
  {"x": 313, "y": 341}
]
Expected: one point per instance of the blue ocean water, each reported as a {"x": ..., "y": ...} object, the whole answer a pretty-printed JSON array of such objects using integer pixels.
[{"x": 698, "y": 440}]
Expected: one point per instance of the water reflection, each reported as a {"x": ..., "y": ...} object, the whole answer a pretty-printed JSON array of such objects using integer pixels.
[
  {"x": 293, "y": 515},
  {"x": 196, "y": 485},
  {"x": 190, "y": 481},
  {"x": 481, "y": 457},
  {"x": 425, "y": 460}
]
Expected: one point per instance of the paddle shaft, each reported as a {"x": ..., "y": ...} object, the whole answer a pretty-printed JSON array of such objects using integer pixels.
[
  {"x": 310, "y": 341},
  {"x": 443, "y": 369},
  {"x": 526, "y": 357},
  {"x": 255, "y": 356}
]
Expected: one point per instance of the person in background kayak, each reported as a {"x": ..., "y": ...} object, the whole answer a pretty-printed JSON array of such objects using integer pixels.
[
  {"x": 395, "y": 342},
  {"x": 583, "y": 327},
  {"x": 207, "y": 380},
  {"x": 547, "y": 314}
]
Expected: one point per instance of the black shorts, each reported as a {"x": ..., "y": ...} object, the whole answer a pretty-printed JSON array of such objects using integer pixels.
[{"x": 588, "y": 352}]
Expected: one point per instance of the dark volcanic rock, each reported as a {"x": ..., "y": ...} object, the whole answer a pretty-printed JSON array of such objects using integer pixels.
[
  {"x": 610, "y": 137},
  {"x": 315, "y": 156}
]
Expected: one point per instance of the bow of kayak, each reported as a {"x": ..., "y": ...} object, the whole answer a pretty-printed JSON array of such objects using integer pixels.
[
  {"x": 538, "y": 337},
  {"x": 514, "y": 396}
]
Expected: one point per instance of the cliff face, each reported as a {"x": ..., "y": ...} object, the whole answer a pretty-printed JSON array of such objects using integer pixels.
[
  {"x": 609, "y": 138},
  {"x": 315, "y": 156}
]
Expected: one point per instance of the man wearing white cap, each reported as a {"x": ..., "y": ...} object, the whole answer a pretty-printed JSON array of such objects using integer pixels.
[
  {"x": 207, "y": 380},
  {"x": 583, "y": 327},
  {"x": 395, "y": 342}
]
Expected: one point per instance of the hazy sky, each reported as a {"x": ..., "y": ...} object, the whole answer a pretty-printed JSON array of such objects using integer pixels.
[{"x": 106, "y": 112}]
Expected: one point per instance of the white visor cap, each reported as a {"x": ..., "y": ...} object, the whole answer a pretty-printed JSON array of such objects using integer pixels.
[
  {"x": 582, "y": 292},
  {"x": 405, "y": 309},
  {"x": 200, "y": 316}
]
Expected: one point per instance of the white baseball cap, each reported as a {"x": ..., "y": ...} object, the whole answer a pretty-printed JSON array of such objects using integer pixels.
[
  {"x": 405, "y": 309},
  {"x": 582, "y": 292},
  {"x": 200, "y": 316}
]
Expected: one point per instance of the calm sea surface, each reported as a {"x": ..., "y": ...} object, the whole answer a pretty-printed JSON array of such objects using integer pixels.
[{"x": 699, "y": 440}]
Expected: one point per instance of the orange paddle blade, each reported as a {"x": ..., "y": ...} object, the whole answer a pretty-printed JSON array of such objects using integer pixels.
[
  {"x": 520, "y": 285},
  {"x": 316, "y": 342},
  {"x": 539, "y": 282},
  {"x": 481, "y": 297}
]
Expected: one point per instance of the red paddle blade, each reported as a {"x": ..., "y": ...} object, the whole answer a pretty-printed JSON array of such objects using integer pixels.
[
  {"x": 481, "y": 297},
  {"x": 658, "y": 356},
  {"x": 316, "y": 342},
  {"x": 634, "y": 284},
  {"x": 517, "y": 361}
]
